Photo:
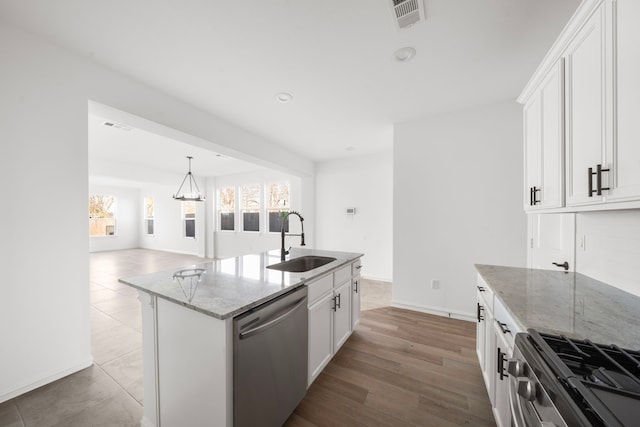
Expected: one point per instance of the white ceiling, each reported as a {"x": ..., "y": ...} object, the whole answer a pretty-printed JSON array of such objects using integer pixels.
[
  {"x": 336, "y": 57},
  {"x": 137, "y": 157}
]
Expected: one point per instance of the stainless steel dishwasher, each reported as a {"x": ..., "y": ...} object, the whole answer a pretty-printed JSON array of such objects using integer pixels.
[{"x": 270, "y": 360}]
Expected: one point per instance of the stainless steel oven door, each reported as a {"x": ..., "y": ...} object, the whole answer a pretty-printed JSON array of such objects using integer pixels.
[{"x": 529, "y": 402}]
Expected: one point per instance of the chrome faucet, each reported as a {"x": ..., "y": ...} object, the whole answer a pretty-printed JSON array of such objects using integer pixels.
[{"x": 283, "y": 251}]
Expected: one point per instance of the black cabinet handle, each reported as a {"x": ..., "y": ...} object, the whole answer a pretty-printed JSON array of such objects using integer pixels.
[
  {"x": 480, "y": 310},
  {"x": 335, "y": 303},
  {"x": 598, "y": 174},
  {"x": 599, "y": 171},
  {"x": 338, "y": 300},
  {"x": 530, "y": 196},
  {"x": 503, "y": 327},
  {"x": 536, "y": 190},
  {"x": 480, "y": 288},
  {"x": 355, "y": 284},
  {"x": 501, "y": 360},
  {"x": 564, "y": 265}
]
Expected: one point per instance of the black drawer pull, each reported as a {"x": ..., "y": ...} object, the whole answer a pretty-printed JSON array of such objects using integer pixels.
[{"x": 503, "y": 327}]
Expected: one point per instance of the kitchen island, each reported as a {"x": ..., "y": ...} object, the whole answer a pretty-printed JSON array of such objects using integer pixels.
[{"x": 187, "y": 322}]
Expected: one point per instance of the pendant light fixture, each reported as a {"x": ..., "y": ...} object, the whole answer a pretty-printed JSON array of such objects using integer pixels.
[{"x": 191, "y": 195}]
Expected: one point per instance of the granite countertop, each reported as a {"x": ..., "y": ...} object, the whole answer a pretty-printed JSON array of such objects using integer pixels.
[
  {"x": 231, "y": 286},
  {"x": 570, "y": 304}
]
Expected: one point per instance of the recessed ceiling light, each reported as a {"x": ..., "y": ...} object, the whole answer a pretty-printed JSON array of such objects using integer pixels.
[
  {"x": 284, "y": 97},
  {"x": 405, "y": 54}
]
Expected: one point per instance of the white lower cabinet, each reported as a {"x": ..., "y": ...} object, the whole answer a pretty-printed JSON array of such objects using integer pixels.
[
  {"x": 355, "y": 302},
  {"x": 341, "y": 315},
  {"x": 334, "y": 309},
  {"x": 495, "y": 335},
  {"x": 503, "y": 351},
  {"x": 320, "y": 335}
]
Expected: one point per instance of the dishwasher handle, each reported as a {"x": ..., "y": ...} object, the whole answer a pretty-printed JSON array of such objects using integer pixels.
[{"x": 258, "y": 329}]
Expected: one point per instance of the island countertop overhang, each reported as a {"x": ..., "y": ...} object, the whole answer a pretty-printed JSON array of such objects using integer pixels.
[{"x": 231, "y": 286}]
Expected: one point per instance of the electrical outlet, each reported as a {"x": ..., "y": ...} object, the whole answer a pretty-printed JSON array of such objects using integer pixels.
[{"x": 435, "y": 284}]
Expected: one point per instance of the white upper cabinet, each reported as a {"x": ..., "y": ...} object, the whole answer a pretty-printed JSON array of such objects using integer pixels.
[
  {"x": 585, "y": 60},
  {"x": 625, "y": 151},
  {"x": 593, "y": 127},
  {"x": 544, "y": 143}
]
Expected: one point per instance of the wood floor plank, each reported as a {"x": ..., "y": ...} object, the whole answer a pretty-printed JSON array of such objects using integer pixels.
[{"x": 400, "y": 368}]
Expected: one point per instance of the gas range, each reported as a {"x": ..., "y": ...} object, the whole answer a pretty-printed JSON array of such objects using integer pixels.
[{"x": 567, "y": 382}]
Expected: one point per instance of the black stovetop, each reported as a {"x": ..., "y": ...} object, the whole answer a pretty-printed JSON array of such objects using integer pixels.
[{"x": 603, "y": 380}]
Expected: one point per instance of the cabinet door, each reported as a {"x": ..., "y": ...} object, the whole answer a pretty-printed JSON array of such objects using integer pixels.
[
  {"x": 551, "y": 194},
  {"x": 544, "y": 143},
  {"x": 585, "y": 116},
  {"x": 481, "y": 336},
  {"x": 320, "y": 335},
  {"x": 355, "y": 302},
  {"x": 532, "y": 143},
  {"x": 342, "y": 315},
  {"x": 501, "y": 409},
  {"x": 625, "y": 152},
  {"x": 489, "y": 354}
]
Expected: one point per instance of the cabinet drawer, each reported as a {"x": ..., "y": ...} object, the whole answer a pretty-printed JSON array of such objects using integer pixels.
[
  {"x": 319, "y": 287},
  {"x": 505, "y": 322},
  {"x": 342, "y": 275},
  {"x": 485, "y": 293},
  {"x": 356, "y": 267}
]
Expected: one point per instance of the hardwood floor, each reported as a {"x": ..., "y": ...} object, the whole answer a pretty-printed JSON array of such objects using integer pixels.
[{"x": 400, "y": 368}]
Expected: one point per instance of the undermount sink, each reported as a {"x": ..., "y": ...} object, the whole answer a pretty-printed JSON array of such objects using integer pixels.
[{"x": 303, "y": 263}]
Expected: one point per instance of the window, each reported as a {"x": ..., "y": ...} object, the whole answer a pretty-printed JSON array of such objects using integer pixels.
[
  {"x": 250, "y": 207},
  {"x": 189, "y": 218},
  {"x": 227, "y": 211},
  {"x": 102, "y": 215},
  {"x": 149, "y": 204},
  {"x": 277, "y": 205}
]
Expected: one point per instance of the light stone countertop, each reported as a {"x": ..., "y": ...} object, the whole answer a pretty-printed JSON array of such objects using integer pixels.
[
  {"x": 570, "y": 304},
  {"x": 234, "y": 285}
]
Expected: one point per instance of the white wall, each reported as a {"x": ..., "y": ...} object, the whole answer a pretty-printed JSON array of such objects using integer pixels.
[
  {"x": 168, "y": 224},
  {"x": 457, "y": 202},
  {"x": 128, "y": 209},
  {"x": 234, "y": 243},
  {"x": 366, "y": 183},
  {"x": 608, "y": 247},
  {"x": 44, "y": 316}
]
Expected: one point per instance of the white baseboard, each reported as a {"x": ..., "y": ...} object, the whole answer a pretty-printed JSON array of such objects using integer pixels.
[
  {"x": 439, "y": 311},
  {"x": 4, "y": 396},
  {"x": 377, "y": 279},
  {"x": 146, "y": 422}
]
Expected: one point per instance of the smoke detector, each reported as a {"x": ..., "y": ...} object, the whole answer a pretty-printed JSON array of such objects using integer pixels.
[{"x": 406, "y": 13}]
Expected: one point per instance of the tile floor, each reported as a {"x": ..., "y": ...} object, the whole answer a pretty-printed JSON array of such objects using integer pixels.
[{"x": 110, "y": 392}]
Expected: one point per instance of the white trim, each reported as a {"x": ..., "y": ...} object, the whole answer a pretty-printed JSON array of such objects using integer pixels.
[
  {"x": 378, "y": 279},
  {"x": 53, "y": 377},
  {"x": 444, "y": 312}
]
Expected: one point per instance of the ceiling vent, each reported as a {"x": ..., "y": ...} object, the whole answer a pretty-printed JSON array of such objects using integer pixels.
[
  {"x": 407, "y": 12},
  {"x": 115, "y": 125}
]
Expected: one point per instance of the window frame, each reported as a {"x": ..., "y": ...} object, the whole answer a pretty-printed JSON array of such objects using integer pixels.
[
  {"x": 149, "y": 218},
  {"x": 185, "y": 219},
  {"x": 114, "y": 211},
  {"x": 220, "y": 210},
  {"x": 259, "y": 210},
  {"x": 268, "y": 209}
]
